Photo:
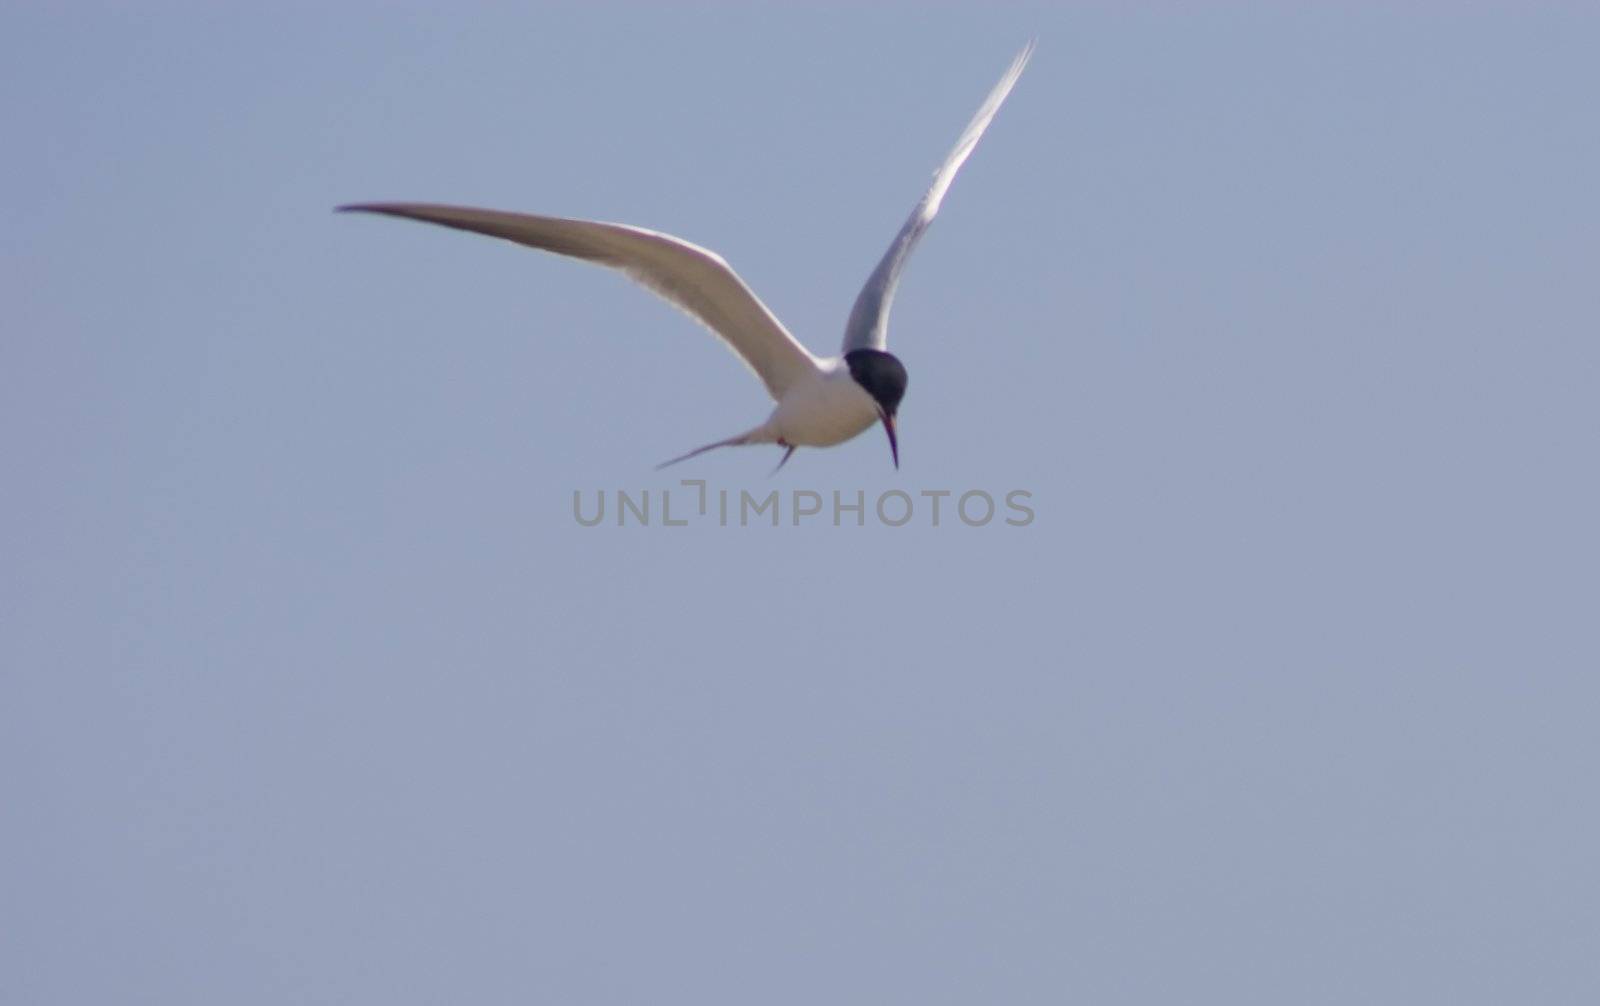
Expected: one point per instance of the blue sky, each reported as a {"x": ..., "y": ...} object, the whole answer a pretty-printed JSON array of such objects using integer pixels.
[{"x": 314, "y": 691}]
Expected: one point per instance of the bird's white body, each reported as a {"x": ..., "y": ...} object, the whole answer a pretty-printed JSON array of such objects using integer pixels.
[
  {"x": 820, "y": 410},
  {"x": 821, "y": 401}
]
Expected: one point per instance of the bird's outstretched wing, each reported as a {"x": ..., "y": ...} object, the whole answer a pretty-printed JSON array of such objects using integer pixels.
[
  {"x": 868, "y": 327},
  {"x": 690, "y": 277}
]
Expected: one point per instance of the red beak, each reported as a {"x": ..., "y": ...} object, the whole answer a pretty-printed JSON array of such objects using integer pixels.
[{"x": 894, "y": 444}]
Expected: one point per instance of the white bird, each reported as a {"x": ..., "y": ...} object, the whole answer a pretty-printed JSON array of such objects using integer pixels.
[{"x": 821, "y": 401}]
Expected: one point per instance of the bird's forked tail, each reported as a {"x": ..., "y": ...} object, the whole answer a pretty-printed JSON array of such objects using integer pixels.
[{"x": 759, "y": 435}]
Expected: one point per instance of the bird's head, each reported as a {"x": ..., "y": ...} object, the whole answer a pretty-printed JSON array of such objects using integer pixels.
[{"x": 883, "y": 377}]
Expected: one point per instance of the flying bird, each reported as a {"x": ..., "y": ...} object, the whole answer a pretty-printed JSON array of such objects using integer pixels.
[{"x": 821, "y": 401}]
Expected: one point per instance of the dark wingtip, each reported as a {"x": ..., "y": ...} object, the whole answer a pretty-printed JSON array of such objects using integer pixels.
[{"x": 387, "y": 209}]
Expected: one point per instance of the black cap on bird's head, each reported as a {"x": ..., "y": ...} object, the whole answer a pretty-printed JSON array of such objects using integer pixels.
[{"x": 884, "y": 378}]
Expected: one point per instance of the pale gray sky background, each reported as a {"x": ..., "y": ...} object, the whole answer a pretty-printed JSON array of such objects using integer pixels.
[{"x": 313, "y": 691}]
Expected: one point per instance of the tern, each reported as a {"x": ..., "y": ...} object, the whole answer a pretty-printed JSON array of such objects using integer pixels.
[{"x": 821, "y": 401}]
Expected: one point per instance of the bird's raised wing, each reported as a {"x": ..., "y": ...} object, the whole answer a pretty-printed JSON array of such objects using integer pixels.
[
  {"x": 868, "y": 327},
  {"x": 690, "y": 277}
]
